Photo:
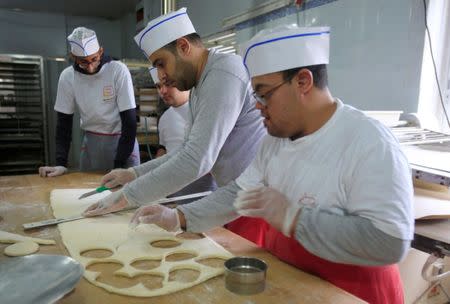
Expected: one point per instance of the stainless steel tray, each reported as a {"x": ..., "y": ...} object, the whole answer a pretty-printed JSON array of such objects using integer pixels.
[{"x": 38, "y": 278}]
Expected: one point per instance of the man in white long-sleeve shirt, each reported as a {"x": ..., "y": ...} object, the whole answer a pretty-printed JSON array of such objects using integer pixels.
[
  {"x": 329, "y": 191},
  {"x": 224, "y": 128}
]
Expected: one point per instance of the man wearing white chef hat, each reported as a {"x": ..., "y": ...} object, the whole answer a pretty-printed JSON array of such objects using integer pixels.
[
  {"x": 329, "y": 191},
  {"x": 102, "y": 91},
  {"x": 171, "y": 132},
  {"x": 224, "y": 129}
]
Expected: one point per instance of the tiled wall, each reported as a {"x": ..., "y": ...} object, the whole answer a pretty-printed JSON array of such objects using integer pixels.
[{"x": 376, "y": 48}]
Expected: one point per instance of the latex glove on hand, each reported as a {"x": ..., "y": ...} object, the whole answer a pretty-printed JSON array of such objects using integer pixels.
[
  {"x": 269, "y": 204},
  {"x": 166, "y": 218},
  {"x": 52, "y": 171},
  {"x": 118, "y": 177},
  {"x": 114, "y": 202}
]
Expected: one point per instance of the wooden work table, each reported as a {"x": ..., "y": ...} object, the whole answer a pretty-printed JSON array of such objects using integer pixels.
[
  {"x": 432, "y": 236},
  {"x": 432, "y": 213},
  {"x": 25, "y": 199}
]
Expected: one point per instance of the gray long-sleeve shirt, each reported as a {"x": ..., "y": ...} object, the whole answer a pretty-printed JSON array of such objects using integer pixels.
[
  {"x": 342, "y": 238},
  {"x": 223, "y": 134},
  {"x": 351, "y": 180}
]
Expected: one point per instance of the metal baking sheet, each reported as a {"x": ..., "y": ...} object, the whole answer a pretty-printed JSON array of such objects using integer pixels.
[{"x": 38, "y": 278}]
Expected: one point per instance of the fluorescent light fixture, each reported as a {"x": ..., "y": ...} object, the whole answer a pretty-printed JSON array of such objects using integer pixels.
[
  {"x": 225, "y": 48},
  {"x": 220, "y": 37},
  {"x": 232, "y": 51}
]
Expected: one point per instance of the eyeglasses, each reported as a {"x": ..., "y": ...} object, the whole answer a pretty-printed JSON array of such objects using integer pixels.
[
  {"x": 83, "y": 63},
  {"x": 262, "y": 99}
]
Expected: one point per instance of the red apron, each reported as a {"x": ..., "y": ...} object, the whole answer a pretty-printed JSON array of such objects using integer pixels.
[{"x": 374, "y": 284}]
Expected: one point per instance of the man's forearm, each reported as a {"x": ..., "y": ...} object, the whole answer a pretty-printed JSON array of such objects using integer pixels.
[
  {"x": 214, "y": 210},
  {"x": 347, "y": 239},
  {"x": 63, "y": 137},
  {"x": 127, "y": 138}
]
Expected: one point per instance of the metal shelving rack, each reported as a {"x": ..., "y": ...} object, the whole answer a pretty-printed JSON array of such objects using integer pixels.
[
  {"x": 23, "y": 121},
  {"x": 416, "y": 135},
  {"x": 149, "y": 107}
]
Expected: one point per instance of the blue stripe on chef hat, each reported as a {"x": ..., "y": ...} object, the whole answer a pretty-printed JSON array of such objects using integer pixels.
[{"x": 281, "y": 38}]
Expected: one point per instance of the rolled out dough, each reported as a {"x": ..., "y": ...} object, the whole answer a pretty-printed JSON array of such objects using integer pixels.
[
  {"x": 8, "y": 237},
  {"x": 21, "y": 248},
  {"x": 111, "y": 233}
]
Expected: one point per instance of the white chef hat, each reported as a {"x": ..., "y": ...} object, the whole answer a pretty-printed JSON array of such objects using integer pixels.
[
  {"x": 163, "y": 30},
  {"x": 83, "y": 42},
  {"x": 154, "y": 74},
  {"x": 286, "y": 47}
]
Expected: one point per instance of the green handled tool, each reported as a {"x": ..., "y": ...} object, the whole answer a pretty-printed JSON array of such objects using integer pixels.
[{"x": 98, "y": 190}]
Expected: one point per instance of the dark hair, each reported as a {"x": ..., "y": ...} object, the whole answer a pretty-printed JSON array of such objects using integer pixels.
[
  {"x": 320, "y": 75},
  {"x": 193, "y": 38}
]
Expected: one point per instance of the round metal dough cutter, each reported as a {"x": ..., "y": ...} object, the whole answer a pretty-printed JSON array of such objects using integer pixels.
[{"x": 38, "y": 278}]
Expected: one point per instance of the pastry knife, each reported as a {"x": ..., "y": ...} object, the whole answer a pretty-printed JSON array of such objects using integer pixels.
[
  {"x": 162, "y": 201},
  {"x": 98, "y": 190}
]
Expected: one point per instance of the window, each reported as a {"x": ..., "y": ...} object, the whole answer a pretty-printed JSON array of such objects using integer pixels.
[
  {"x": 224, "y": 42},
  {"x": 434, "y": 106}
]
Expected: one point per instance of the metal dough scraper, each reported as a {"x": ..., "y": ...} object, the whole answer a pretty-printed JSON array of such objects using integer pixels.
[{"x": 38, "y": 278}]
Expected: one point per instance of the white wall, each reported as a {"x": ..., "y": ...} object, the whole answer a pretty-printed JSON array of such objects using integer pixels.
[
  {"x": 32, "y": 34},
  {"x": 45, "y": 34},
  {"x": 376, "y": 50},
  {"x": 207, "y": 15},
  {"x": 128, "y": 30},
  {"x": 376, "y": 46}
]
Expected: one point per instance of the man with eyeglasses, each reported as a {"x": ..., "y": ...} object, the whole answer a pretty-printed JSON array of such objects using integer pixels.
[
  {"x": 329, "y": 191},
  {"x": 102, "y": 91},
  {"x": 171, "y": 132}
]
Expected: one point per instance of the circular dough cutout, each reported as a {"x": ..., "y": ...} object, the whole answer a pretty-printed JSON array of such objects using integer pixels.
[{"x": 21, "y": 248}]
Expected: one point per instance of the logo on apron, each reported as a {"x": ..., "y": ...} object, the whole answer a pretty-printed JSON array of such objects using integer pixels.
[{"x": 108, "y": 93}]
